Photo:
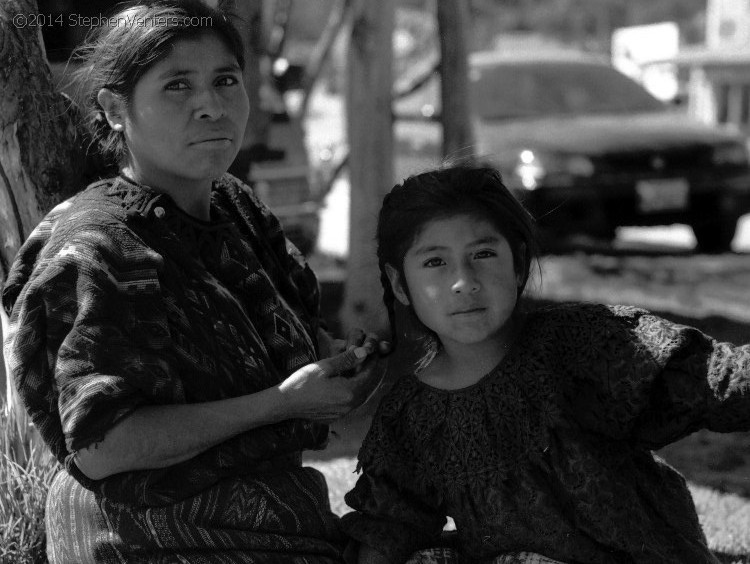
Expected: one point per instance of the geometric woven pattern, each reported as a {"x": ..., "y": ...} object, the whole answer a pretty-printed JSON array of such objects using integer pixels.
[{"x": 119, "y": 299}]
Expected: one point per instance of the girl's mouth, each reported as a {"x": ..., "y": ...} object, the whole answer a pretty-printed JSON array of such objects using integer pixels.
[{"x": 469, "y": 311}]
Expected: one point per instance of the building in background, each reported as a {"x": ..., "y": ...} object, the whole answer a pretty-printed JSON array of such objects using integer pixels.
[
  {"x": 717, "y": 74},
  {"x": 640, "y": 51}
]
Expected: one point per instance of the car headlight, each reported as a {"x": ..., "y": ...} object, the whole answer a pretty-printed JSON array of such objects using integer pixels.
[
  {"x": 730, "y": 154},
  {"x": 556, "y": 168}
]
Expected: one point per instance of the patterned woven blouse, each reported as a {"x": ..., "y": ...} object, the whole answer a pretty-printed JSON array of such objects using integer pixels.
[
  {"x": 118, "y": 300},
  {"x": 551, "y": 451}
]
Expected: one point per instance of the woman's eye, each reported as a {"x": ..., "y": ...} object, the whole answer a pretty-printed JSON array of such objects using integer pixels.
[
  {"x": 177, "y": 85},
  {"x": 433, "y": 262},
  {"x": 227, "y": 81}
]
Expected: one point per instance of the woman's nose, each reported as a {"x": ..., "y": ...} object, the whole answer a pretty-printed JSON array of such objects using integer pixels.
[
  {"x": 209, "y": 105},
  {"x": 466, "y": 281}
]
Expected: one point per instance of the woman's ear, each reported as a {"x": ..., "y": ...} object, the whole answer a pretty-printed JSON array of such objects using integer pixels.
[
  {"x": 395, "y": 279},
  {"x": 114, "y": 108}
]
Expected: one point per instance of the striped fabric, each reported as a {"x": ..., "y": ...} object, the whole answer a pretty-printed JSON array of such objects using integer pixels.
[
  {"x": 119, "y": 299},
  {"x": 450, "y": 556}
]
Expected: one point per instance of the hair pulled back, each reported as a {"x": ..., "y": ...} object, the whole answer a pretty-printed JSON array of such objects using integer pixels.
[
  {"x": 131, "y": 41},
  {"x": 472, "y": 190}
]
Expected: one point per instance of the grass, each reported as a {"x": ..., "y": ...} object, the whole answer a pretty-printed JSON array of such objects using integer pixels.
[{"x": 26, "y": 472}]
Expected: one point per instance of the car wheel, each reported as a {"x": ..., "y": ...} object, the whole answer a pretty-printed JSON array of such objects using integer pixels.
[{"x": 715, "y": 235}]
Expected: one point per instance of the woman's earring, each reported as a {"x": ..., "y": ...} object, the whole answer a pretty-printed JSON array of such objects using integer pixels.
[{"x": 117, "y": 127}]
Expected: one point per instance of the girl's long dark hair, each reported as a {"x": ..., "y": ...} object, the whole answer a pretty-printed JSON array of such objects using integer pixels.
[{"x": 465, "y": 189}]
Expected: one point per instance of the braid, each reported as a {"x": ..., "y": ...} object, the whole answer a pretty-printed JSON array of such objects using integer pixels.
[
  {"x": 388, "y": 296},
  {"x": 389, "y": 300}
]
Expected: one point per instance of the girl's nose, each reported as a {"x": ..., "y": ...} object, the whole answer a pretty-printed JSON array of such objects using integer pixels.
[
  {"x": 209, "y": 105},
  {"x": 466, "y": 281}
]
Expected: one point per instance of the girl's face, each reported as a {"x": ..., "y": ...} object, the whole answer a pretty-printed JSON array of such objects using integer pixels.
[
  {"x": 185, "y": 122},
  {"x": 461, "y": 280}
]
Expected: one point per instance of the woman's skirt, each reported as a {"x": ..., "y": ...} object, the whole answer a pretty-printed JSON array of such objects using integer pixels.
[
  {"x": 451, "y": 556},
  {"x": 280, "y": 518}
]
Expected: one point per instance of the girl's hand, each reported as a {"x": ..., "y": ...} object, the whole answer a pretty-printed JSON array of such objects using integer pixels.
[{"x": 330, "y": 388}]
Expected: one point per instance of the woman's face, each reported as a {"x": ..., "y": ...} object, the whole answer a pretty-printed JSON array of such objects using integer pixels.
[
  {"x": 186, "y": 118},
  {"x": 461, "y": 280}
]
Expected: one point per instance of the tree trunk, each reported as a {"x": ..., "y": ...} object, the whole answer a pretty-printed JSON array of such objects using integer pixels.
[
  {"x": 336, "y": 21},
  {"x": 370, "y": 136},
  {"x": 41, "y": 161},
  {"x": 458, "y": 139},
  {"x": 41, "y": 156}
]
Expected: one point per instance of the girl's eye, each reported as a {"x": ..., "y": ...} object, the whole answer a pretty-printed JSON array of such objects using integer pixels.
[
  {"x": 177, "y": 85},
  {"x": 227, "y": 81},
  {"x": 433, "y": 262},
  {"x": 485, "y": 253}
]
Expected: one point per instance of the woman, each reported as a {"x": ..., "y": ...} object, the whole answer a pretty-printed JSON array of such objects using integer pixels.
[{"x": 164, "y": 341}]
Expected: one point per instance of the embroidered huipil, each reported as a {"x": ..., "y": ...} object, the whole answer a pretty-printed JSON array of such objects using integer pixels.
[
  {"x": 118, "y": 300},
  {"x": 551, "y": 451}
]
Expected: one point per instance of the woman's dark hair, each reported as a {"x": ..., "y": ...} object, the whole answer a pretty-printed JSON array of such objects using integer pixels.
[
  {"x": 472, "y": 190},
  {"x": 129, "y": 43}
]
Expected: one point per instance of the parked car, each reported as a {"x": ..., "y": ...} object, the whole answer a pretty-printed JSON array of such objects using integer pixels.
[{"x": 587, "y": 149}]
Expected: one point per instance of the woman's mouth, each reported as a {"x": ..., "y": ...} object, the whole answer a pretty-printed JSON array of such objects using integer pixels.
[
  {"x": 213, "y": 141},
  {"x": 469, "y": 311}
]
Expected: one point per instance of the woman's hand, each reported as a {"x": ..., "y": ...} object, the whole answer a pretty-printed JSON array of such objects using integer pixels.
[
  {"x": 331, "y": 387},
  {"x": 329, "y": 346},
  {"x": 157, "y": 436}
]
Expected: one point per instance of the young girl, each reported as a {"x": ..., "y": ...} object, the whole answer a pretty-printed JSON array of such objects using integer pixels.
[{"x": 533, "y": 431}]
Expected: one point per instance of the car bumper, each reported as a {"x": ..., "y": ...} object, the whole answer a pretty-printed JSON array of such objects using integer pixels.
[{"x": 602, "y": 206}]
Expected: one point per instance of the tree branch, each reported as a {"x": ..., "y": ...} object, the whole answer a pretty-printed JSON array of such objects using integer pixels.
[{"x": 322, "y": 49}]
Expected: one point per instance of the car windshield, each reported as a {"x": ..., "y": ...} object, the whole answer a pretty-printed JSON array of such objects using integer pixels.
[{"x": 555, "y": 88}]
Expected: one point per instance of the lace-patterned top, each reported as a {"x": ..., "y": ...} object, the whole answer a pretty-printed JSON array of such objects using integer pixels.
[{"x": 551, "y": 451}]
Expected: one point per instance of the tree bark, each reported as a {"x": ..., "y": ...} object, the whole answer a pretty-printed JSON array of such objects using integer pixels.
[
  {"x": 41, "y": 150},
  {"x": 41, "y": 158},
  {"x": 370, "y": 136},
  {"x": 458, "y": 138}
]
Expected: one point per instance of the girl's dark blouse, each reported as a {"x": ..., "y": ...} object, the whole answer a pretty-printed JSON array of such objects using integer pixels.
[{"x": 551, "y": 451}]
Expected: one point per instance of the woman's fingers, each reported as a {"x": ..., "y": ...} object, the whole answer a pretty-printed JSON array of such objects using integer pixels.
[
  {"x": 355, "y": 356},
  {"x": 346, "y": 361},
  {"x": 367, "y": 380},
  {"x": 354, "y": 338},
  {"x": 370, "y": 343}
]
